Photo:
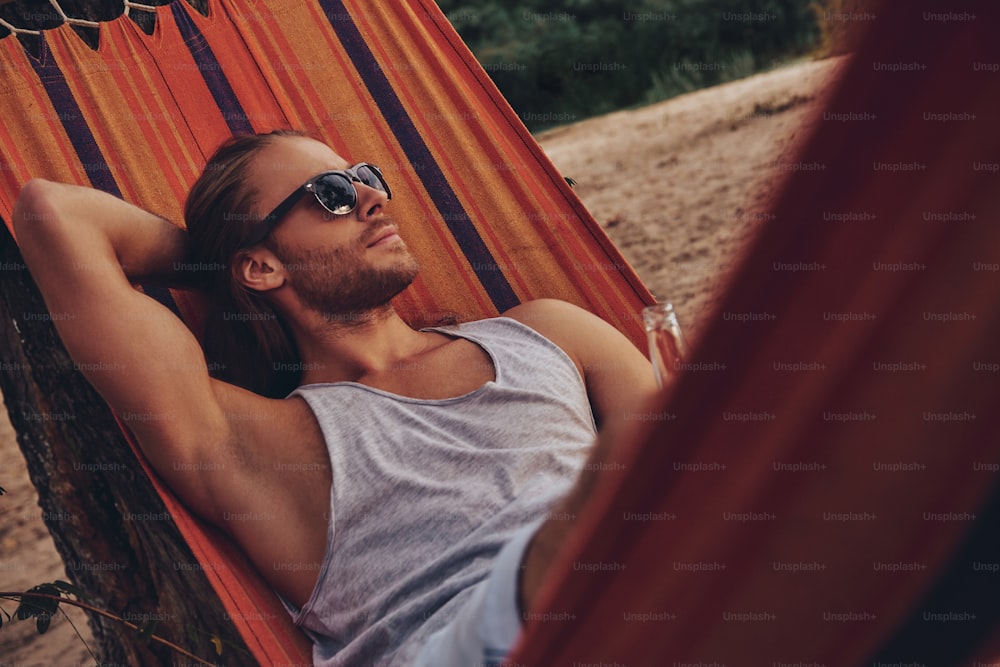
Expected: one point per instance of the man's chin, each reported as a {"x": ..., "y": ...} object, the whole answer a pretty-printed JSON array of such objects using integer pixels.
[
  {"x": 365, "y": 306},
  {"x": 405, "y": 266}
]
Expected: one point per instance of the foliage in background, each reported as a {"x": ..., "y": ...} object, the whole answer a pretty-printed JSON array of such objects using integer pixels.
[
  {"x": 842, "y": 22},
  {"x": 558, "y": 61}
]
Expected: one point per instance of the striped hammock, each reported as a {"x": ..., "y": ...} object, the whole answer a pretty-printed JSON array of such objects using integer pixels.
[{"x": 819, "y": 486}]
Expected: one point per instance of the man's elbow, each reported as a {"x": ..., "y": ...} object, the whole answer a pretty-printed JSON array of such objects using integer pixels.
[{"x": 35, "y": 208}]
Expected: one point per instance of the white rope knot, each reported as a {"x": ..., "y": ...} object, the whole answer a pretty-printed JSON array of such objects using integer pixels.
[{"x": 129, "y": 6}]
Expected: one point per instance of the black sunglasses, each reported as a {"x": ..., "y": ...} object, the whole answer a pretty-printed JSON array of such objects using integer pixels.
[{"x": 334, "y": 190}]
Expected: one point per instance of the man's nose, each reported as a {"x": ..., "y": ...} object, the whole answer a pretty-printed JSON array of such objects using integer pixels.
[{"x": 371, "y": 200}]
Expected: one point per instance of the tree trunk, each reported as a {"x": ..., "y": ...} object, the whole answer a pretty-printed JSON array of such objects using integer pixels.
[{"x": 91, "y": 489}]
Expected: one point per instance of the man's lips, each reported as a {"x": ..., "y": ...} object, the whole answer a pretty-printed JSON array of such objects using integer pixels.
[{"x": 385, "y": 234}]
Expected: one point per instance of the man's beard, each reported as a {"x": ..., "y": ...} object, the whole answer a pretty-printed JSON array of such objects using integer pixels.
[{"x": 341, "y": 284}]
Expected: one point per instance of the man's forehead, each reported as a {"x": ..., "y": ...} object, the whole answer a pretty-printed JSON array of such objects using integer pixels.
[
  {"x": 295, "y": 159},
  {"x": 285, "y": 163}
]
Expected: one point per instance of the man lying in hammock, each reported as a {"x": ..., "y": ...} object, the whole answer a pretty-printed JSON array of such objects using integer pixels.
[{"x": 404, "y": 499}]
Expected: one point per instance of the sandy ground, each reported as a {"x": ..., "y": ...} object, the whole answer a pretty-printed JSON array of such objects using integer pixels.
[
  {"x": 28, "y": 557},
  {"x": 679, "y": 186}
]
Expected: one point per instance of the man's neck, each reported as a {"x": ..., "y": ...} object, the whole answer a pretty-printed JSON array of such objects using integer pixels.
[{"x": 346, "y": 348}]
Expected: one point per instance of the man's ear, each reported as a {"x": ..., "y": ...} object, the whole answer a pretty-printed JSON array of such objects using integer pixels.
[{"x": 258, "y": 269}]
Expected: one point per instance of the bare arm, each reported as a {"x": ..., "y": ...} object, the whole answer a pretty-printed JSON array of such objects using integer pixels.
[
  {"x": 146, "y": 246},
  {"x": 620, "y": 384},
  {"x": 555, "y": 532},
  {"x": 618, "y": 377},
  {"x": 82, "y": 247}
]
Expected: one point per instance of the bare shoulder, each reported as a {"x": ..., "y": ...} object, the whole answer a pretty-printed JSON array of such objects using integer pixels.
[
  {"x": 569, "y": 326},
  {"x": 549, "y": 314},
  {"x": 560, "y": 321},
  {"x": 616, "y": 373}
]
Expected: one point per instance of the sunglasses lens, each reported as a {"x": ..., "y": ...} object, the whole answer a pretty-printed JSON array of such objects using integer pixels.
[
  {"x": 370, "y": 177},
  {"x": 336, "y": 193}
]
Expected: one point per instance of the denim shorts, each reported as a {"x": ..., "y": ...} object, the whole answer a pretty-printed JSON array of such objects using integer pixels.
[{"x": 487, "y": 626}]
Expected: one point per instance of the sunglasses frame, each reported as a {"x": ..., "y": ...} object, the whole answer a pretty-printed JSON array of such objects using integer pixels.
[{"x": 271, "y": 220}]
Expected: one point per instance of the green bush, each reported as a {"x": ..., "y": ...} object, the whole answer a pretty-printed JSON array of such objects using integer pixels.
[
  {"x": 558, "y": 62},
  {"x": 841, "y": 22}
]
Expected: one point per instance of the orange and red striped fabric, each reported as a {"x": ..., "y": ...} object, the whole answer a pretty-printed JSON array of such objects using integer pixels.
[
  {"x": 490, "y": 219},
  {"x": 821, "y": 488}
]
